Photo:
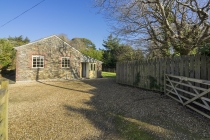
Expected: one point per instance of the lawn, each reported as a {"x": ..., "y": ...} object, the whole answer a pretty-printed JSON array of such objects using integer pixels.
[{"x": 108, "y": 74}]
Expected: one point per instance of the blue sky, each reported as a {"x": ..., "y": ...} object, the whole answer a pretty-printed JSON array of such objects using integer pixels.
[{"x": 75, "y": 18}]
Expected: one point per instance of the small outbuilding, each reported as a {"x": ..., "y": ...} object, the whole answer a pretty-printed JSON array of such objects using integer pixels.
[{"x": 53, "y": 58}]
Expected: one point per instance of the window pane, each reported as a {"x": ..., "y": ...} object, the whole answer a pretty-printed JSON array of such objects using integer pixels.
[
  {"x": 38, "y": 61},
  {"x": 65, "y": 62}
]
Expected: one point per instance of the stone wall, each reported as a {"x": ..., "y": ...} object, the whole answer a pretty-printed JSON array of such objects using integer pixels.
[{"x": 53, "y": 49}]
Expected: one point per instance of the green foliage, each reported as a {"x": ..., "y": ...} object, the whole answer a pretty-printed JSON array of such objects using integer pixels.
[
  {"x": 194, "y": 51},
  {"x": 110, "y": 53},
  {"x": 115, "y": 52},
  {"x": 127, "y": 53},
  {"x": 97, "y": 54},
  {"x": 111, "y": 43},
  {"x": 18, "y": 41},
  {"x": 109, "y": 59},
  {"x": 7, "y": 53},
  {"x": 78, "y": 43},
  {"x": 153, "y": 83},
  {"x": 205, "y": 49},
  {"x": 89, "y": 43},
  {"x": 89, "y": 49},
  {"x": 84, "y": 45}
]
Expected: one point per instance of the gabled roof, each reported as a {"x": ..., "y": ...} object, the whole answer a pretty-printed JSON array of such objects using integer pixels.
[
  {"x": 42, "y": 40},
  {"x": 85, "y": 57},
  {"x": 35, "y": 41}
]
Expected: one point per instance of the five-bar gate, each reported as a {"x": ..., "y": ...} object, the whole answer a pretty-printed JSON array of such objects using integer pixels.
[{"x": 189, "y": 91}]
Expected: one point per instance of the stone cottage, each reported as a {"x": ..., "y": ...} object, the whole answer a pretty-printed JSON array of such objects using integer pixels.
[{"x": 52, "y": 58}]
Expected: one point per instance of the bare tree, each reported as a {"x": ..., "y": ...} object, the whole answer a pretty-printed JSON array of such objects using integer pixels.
[{"x": 177, "y": 25}]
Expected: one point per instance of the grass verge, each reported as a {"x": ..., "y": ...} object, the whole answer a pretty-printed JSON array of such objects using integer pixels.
[{"x": 108, "y": 74}]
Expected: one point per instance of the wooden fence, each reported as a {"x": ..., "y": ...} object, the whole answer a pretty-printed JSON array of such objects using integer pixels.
[
  {"x": 4, "y": 110},
  {"x": 149, "y": 74}
]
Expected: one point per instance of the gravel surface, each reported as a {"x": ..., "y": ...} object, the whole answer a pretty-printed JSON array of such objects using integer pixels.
[{"x": 85, "y": 110}]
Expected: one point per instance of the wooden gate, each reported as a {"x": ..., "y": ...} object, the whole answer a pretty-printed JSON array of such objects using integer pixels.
[
  {"x": 190, "y": 92},
  {"x": 4, "y": 110}
]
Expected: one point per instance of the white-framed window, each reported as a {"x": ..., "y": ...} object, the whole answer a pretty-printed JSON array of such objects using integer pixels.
[
  {"x": 92, "y": 67},
  {"x": 65, "y": 62},
  {"x": 37, "y": 61}
]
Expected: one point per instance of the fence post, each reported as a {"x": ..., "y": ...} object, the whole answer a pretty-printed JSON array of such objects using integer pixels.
[{"x": 4, "y": 85}]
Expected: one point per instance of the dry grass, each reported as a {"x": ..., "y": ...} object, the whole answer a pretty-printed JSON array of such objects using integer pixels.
[{"x": 97, "y": 109}]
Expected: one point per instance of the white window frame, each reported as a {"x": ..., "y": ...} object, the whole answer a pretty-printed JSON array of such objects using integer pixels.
[
  {"x": 41, "y": 61},
  {"x": 93, "y": 66},
  {"x": 66, "y": 65}
]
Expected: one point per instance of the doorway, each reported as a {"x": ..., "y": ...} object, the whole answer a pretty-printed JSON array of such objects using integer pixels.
[{"x": 83, "y": 69}]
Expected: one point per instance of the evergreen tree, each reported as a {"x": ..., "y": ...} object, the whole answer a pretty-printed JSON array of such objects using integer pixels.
[
  {"x": 110, "y": 53},
  {"x": 18, "y": 41},
  {"x": 115, "y": 52}
]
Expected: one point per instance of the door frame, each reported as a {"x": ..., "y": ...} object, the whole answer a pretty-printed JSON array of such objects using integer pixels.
[{"x": 84, "y": 69}]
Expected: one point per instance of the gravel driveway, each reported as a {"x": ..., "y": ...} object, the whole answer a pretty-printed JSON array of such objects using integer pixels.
[{"x": 87, "y": 109}]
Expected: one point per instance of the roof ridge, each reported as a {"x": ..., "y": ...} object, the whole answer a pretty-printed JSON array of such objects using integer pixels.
[
  {"x": 35, "y": 41},
  {"x": 59, "y": 39}
]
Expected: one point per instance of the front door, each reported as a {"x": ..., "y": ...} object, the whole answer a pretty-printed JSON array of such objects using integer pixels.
[{"x": 83, "y": 69}]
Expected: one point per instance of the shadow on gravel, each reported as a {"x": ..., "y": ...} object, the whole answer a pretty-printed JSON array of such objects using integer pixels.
[
  {"x": 123, "y": 112},
  {"x": 132, "y": 113},
  {"x": 60, "y": 86}
]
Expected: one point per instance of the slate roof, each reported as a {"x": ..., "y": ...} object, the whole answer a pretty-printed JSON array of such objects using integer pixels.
[{"x": 84, "y": 58}]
